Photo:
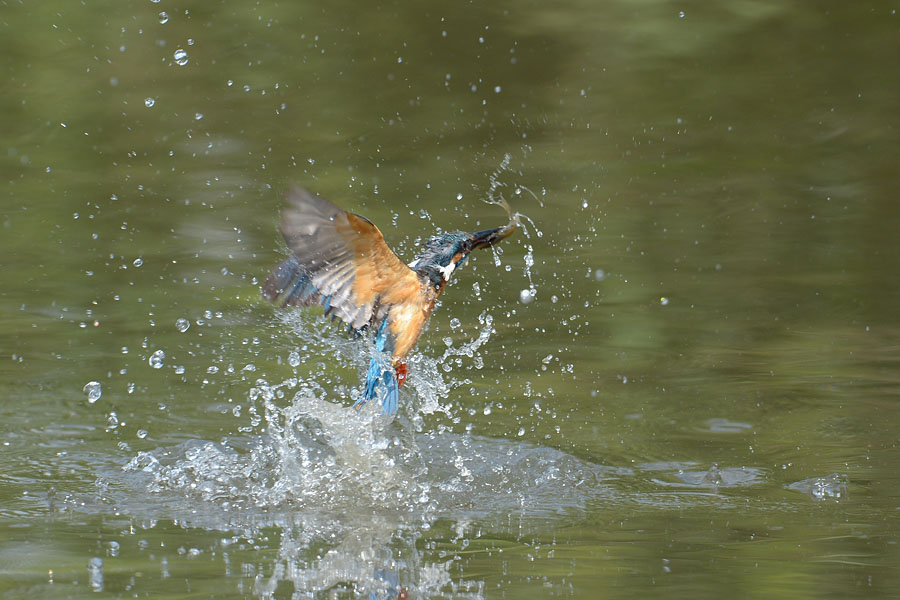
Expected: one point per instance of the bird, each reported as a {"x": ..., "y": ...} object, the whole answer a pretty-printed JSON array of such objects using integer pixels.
[{"x": 339, "y": 260}]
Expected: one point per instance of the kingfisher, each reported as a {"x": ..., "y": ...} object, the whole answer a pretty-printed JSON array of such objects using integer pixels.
[{"x": 340, "y": 261}]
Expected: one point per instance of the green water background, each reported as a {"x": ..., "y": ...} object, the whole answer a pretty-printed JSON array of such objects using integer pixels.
[{"x": 716, "y": 278}]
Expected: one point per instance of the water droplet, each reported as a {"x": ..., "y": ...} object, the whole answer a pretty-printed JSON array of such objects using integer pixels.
[
  {"x": 681, "y": 14},
  {"x": 138, "y": 262},
  {"x": 112, "y": 420},
  {"x": 142, "y": 433},
  {"x": 93, "y": 390},
  {"x": 181, "y": 57},
  {"x": 156, "y": 359},
  {"x": 95, "y": 574},
  {"x": 112, "y": 548},
  {"x": 163, "y": 18},
  {"x": 664, "y": 301},
  {"x": 526, "y": 296},
  {"x": 521, "y": 431},
  {"x": 554, "y": 299},
  {"x": 599, "y": 274},
  {"x": 182, "y": 324},
  {"x": 454, "y": 323},
  {"x": 294, "y": 358},
  {"x": 149, "y": 102},
  {"x": 497, "y": 89}
]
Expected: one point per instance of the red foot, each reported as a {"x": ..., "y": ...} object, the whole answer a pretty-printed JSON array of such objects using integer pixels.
[{"x": 401, "y": 374}]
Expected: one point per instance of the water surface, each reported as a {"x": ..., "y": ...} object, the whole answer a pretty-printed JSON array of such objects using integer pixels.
[{"x": 678, "y": 380}]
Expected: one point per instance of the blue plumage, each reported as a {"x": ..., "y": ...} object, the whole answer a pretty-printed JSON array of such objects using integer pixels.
[{"x": 381, "y": 370}]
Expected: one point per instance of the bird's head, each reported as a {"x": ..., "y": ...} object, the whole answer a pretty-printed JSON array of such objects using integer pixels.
[{"x": 442, "y": 254}]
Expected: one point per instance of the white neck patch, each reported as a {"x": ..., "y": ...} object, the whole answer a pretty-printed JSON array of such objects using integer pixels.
[{"x": 447, "y": 271}]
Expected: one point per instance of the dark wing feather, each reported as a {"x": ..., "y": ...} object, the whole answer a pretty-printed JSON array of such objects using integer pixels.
[{"x": 340, "y": 260}]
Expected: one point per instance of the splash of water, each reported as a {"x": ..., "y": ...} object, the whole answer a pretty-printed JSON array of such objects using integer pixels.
[
  {"x": 494, "y": 197},
  {"x": 432, "y": 378},
  {"x": 351, "y": 494},
  {"x": 304, "y": 446}
]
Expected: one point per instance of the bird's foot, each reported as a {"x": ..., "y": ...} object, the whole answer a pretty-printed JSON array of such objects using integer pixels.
[{"x": 401, "y": 374}]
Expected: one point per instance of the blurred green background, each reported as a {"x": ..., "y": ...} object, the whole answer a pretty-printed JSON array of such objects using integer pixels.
[{"x": 700, "y": 399}]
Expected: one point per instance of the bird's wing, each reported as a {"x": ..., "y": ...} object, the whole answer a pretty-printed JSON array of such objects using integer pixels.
[{"x": 340, "y": 260}]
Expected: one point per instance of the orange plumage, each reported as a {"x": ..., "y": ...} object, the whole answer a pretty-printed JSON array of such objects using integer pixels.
[{"x": 341, "y": 261}]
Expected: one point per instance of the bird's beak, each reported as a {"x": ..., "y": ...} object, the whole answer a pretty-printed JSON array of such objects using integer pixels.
[{"x": 489, "y": 237}]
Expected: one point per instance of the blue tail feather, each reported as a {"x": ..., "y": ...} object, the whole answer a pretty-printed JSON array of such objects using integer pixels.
[
  {"x": 381, "y": 371},
  {"x": 392, "y": 395}
]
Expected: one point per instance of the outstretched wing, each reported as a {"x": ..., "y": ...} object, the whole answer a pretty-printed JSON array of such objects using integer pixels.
[{"x": 339, "y": 260}]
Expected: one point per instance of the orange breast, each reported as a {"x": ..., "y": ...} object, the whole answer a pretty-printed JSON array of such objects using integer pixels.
[{"x": 408, "y": 319}]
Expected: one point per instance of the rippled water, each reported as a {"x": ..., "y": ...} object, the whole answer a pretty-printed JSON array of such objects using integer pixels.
[{"x": 678, "y": 379}]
